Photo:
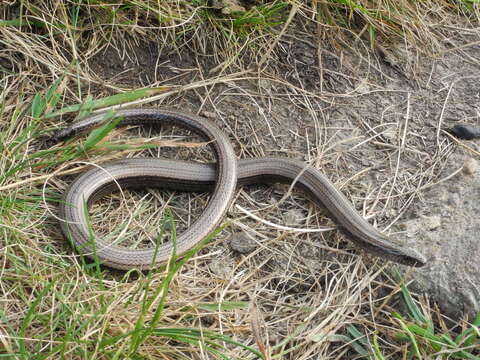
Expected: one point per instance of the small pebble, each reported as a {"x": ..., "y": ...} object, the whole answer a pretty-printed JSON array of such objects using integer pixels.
[
  {"x": 242, "y": 242},
  {"x": 221, "y": 268},
  {"x": 470, "y": 167},
  {"x": 432, "y": 222},
  {"x": 228, "y": 6},
  {"x": 209, "y": 114},
  {"x": 390, "y": 135}
]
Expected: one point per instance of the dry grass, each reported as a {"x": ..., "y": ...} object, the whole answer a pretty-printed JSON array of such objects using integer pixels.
[{"x": 296, "y": 293}]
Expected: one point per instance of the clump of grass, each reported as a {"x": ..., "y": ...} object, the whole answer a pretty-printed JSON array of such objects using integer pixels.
[
  {"x": 93, "y": 25},
  {"x": 245, "y": 23},
  {"x": 66, "y": 323},
  {"x": 425, "y": 340},
  {"x": 421, "y": 336}
]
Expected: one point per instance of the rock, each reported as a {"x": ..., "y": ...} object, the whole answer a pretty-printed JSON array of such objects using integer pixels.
[
  {"x": 390, "y": 134},
  {"x": 448, "y": 235},
  {"x": 242, "y": 242},
  {"x": 222, "y": 268},
  {"x": 209, "y": 114},
  {"x": 470, "y": 166},
  {"x": 228, "y": 7}
]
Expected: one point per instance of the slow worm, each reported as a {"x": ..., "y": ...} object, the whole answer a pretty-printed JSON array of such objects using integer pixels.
[{"x": 223, "y": 177}]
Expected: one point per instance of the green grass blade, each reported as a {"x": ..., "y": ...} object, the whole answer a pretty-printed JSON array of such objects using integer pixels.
[
  {"x": 376, "y": 349},
  {"x": 109, "y": 101},
  {"x": 30, "y": 316},
  {"x": 138, "y": 336},
  {"x": 99, "y": 133},
  {"x": 286, "y": 341},
  {"x": 411, "y": 337},
  {"x": 359, "y": 342},
  {"x": 41, "y": 102},
  {"x": 435, "y": 341},
  {"x": 413, "y": 309},
  {"x": 224, "y": 306},
  {"x": 38, "y": 105},
  {"x": 468, "y": 337},
  {"x": 198, "y": 335},
  {"x": 21, "y": 22},
  {"x": 161, "y": 292}
]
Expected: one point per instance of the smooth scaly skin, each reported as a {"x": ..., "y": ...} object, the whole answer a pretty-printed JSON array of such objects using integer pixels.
[{"x": 187, "y": 176}]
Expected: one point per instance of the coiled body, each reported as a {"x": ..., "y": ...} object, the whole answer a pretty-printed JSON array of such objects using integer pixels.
[{"x": 221, "y": 178}]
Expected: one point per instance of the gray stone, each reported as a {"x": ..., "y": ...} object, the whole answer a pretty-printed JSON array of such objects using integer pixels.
[
  {"x": 221, "y": 267},
  {"x": 209, "y": 114},
  {"x": 470, "y": 167},
  {"x": 448, "y": 233},
  {"x": 228, "y": 6},
  {"x": 390, "y": 134},
  {"x": 242, "y": 242}
]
